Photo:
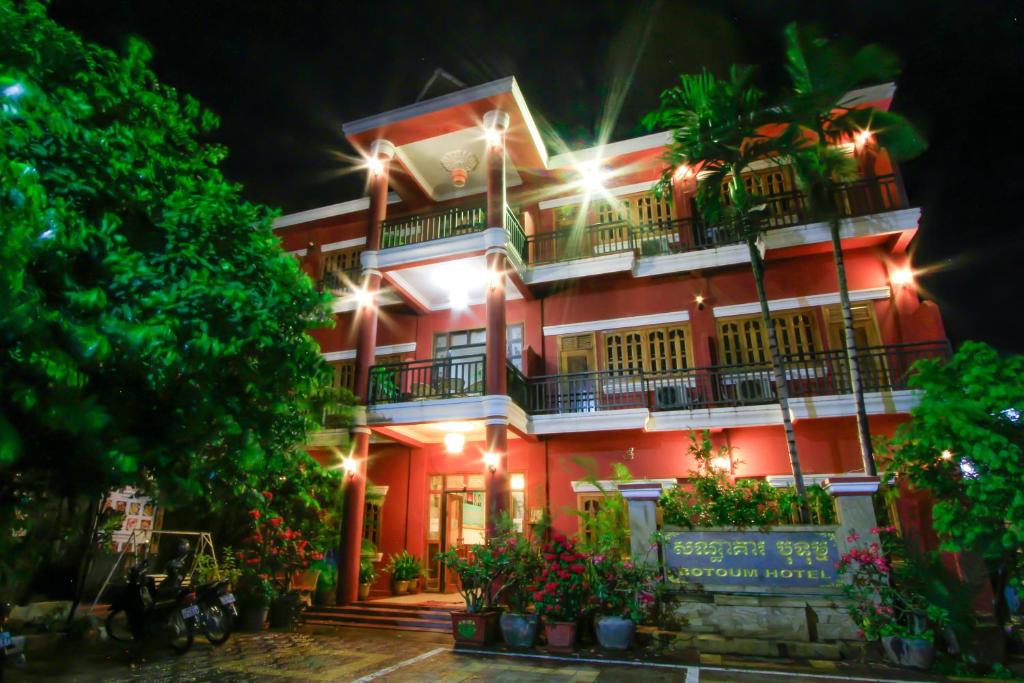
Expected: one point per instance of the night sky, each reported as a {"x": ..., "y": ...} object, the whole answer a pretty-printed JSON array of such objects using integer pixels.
[{"x": 283, "y": 76}]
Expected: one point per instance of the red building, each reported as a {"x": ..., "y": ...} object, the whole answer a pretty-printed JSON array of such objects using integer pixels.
[{"x": 516, "y": 321}]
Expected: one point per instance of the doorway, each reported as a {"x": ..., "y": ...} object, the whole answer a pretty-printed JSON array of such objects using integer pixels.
[{"x": 463, "y": 525}]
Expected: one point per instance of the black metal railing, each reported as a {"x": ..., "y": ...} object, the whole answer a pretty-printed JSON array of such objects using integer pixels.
[
  {"x": 516, "y": 236},
  {"x": 434, "y": 378},
  {"x": 436, "y": 225},
  {"x": 517, "y": 385},
  {"x": 676, "y": 236},
  {"x": 825, "y": 373}
]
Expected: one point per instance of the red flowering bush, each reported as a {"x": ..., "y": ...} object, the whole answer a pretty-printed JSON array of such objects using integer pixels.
[
  {"x": 273, "y": 549},
  {"x": 622, "y": 588},
  {"x": 877, "y": 602},
  {"x": 563, "y": 587}
]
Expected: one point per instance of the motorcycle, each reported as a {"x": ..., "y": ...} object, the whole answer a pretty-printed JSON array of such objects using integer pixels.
[
  {"x": 217, "y": 611},
  {"x": 141, "y": 609}
]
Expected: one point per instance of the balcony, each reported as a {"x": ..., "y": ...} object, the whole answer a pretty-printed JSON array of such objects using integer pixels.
[
  {"x": 861, "y": 198},
  {"x": 808, "y": 375},
  {"x": 823, "y": 373}
]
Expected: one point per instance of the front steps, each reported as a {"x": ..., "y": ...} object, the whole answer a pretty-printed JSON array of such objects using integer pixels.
[{"x": 383, "y": 615}]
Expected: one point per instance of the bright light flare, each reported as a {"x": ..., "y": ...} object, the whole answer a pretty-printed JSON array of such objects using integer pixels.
[
  {"x": 862, "y": 138},
  {"x": 947, "y": 454},
  {"x": 363, "y": 297},
  {"x": 492, "y": 460},
  {"x": 375, "y": 166},
  {"x": 494, "y": 278},
  {"x": 517, "y": 482},
  {"x": 454, "y": 442},
  {"x": 593, "y": 177},
  {"x": 683, "y": 172},
  {"x": 721, "y": 463},
  {"x": 492, "y": 136},
  {"x": 350, "y": 465},
  {"x": 902, "y": 277}
]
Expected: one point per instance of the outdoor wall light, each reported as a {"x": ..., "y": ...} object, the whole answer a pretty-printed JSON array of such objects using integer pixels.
[
  {"x": 350, "y": 466},
  {"x": 517, "y": 482},
  {"x": 375, "y": 166},
  {"x": 699, "y": 300},
  {"x": 363, "y": 297},
  {"x": 683, "y": 171},
  {"x": 721, "y": 463},
  {"x": 862, "y": 138},
  {"x": 494, "y": 278},
  {"x": 492, "y": 136},
  {"x": 902, "y": 277},
  {"x": 454, "y": 442},
  {"x": 491, "y": 460}
]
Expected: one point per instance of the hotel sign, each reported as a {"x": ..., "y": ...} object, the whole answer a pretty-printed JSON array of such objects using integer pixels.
[{"x": 782, "y": 561}]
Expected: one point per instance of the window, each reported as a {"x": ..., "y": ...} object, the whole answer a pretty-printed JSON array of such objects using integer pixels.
[
  {"x": 345, "y": 259},
  {"x": 588, "y": 504},
  {"x": 464, "y": 343},
  {"x": 743, "y": 340},
  {"x": 371, "y": 520},
  {"x": 344, "y": 374},
  {"x": 653, "y": 349},
  {"x": 766, "y": 183}
]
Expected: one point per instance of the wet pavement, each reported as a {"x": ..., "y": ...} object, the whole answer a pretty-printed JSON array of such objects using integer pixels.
[{"x": 362, "y": 655}]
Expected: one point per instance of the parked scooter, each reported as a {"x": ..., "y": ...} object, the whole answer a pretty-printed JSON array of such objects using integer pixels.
[
  {"x": 217, "y": 610},
  {"x": 167, "y": 612}
]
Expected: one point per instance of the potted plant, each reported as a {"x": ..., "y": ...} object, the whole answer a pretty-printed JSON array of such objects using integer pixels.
[
  {"x": 519, "y": 626},
  {"x": 622, "y": 591},
  {"x": 561, "y": 592},
  {"x": 254, "y": 593},
  {"x": 887, "y": 607},
  {"x": 478, "y": 573},
  {"x": 404, "y": 568},
  {"x": 327, "y": 583},
  {"x": 367, "y": 575}
]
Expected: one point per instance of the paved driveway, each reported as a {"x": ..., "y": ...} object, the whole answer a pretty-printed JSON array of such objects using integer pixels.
[{"x": 364, "y": 655}]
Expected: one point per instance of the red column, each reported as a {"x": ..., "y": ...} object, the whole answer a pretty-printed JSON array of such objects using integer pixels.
[
  {"x": 381, "y": 152},
  {"x": 496, "y": 465}
]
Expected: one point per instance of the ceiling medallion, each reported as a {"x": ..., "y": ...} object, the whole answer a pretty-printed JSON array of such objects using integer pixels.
[{"x": 459, "y": 163}]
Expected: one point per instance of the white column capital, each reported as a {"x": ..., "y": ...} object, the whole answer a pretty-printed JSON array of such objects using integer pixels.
[
  {"x": 382, "y": 149},
  {"x": 497, "y": 119}
]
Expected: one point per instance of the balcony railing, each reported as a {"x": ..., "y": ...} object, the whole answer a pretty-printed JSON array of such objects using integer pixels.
[
  {"x": 426, "y": 227},
  {"x": 821, "y": 373},
  {"x": 434, "y": 378},
  {"x": 824, "y": 373},
  {"x": 859, "y": 198},
  {"x": 340, "y": 281}
]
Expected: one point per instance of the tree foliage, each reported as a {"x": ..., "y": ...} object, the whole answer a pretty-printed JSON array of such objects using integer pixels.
[
  {"x": 965, "y": 447},
  {"x": 152, "y": 330}
]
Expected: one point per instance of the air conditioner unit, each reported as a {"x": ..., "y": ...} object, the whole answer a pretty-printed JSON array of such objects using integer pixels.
[
  {"x": 669, "y": 397},
  {"x": 754, "y": 389}
]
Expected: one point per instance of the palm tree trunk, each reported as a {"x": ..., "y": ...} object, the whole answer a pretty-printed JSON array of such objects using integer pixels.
[
  {"x": 757, "y": 265},
  {"x": 863, "y": 431}
]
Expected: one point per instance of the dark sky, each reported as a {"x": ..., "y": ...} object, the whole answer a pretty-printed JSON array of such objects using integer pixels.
[{"x": 284, "y": 76}]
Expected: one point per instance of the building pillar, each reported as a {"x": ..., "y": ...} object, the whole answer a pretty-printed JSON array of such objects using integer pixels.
[
  {"x": 354, "y": 466},
  {"x": 642, "y": 500},
  {"x": 855, "y": 510},
  {"x": 496, "y": 456}
]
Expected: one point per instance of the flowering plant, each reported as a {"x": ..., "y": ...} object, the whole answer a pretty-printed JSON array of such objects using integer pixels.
[
  {"x": 876, "y": 602},
  {"x": 562, "y": 589},
  {"x": 522, "y": 564},
  {"x": 273, "y": 549},
  {"x": 622, "y": 588},
  {"x": 479, "y": 572}
]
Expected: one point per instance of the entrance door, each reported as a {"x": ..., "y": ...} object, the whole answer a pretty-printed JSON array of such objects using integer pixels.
[
  {"x": 452, "y": 535},
  {"x": 873, "y": 369},
  {"x": 577, "y": 360}
]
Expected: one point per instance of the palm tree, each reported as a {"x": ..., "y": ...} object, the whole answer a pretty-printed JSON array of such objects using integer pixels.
[
  {"x": 717, "y": 126},
  {"x": 822, "y": 74}
]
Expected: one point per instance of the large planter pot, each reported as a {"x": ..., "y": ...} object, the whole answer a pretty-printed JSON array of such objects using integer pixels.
[
  {"x": 400, "y": 587},
  {"x": 915, "y": 653},
  {"x": 519, "y": 630},
  {"x": 614, "y": 633},
  {"x": 474, "y": 629},
  {"x": 251, "y": 617},
  {"x": 364, "y": 590},
  {"x": 285, "y": 611},
  {"x": 561, "y": 636}
]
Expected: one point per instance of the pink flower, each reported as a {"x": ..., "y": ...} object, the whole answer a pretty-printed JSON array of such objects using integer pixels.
[{"x": 853, "y": 537}]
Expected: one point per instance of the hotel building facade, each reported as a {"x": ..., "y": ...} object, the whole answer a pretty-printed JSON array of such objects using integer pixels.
[{"x": 514, "y": 322}]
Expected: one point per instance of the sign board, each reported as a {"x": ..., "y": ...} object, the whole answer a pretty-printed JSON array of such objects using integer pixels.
[
  {"x": 779, "y": 561},
  {"x": 138, "y": 515}
]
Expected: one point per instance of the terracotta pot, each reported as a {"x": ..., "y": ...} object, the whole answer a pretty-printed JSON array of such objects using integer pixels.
[
  {"x": 614, "y": 633},
  {"x": 364, "y": 590},
  {"x": 401, "y": 587},
  {"x": 519, "y": 630},
  {"x": 474, "y": 629},
  {"x": 561, "y": 636},
  {"x": 915, "y": 653}
]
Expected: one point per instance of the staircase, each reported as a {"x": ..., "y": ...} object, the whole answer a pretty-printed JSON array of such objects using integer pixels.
[{"x": 383, "y": 615}]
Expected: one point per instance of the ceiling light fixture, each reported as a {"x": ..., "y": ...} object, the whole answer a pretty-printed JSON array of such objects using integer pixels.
[
  {"x": 902, "y": 277},
  {"x": 454, "y": 442}
]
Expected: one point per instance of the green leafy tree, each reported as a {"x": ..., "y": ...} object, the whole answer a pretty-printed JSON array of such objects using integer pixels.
[
  {"x": 152, "y": 330},
  {"x": 719, "y": 127},
  {"x": 822, "y": 74},
  {"x": 965, "y": 446}
]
